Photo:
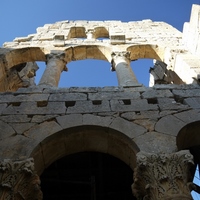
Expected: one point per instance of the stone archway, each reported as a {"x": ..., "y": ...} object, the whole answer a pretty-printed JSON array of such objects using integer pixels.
[
  {"x": 189, "y": 138},
  {"x": 88, "y": 138},
  {"x": 81, "y": 139}
]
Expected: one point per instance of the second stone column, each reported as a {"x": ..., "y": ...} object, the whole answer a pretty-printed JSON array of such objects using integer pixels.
[
  {"x": 121, "y": 64},
  {"x": 55, "y": 65}
]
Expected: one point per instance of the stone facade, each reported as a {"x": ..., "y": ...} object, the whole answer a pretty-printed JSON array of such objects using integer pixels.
[{"x": 152, "y": 129}]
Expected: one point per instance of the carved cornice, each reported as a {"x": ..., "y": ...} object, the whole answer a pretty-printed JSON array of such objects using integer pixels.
[
  {"x": 19, "y": 181},
  {"x": 163, "y": 176}
]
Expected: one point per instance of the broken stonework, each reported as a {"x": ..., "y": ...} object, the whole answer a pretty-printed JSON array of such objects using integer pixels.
[{"x": 145, "y": 127}]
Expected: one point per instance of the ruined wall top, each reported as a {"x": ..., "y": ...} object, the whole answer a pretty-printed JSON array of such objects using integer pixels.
[
  {"x": 78, "y": 40},
  {"x": 62, "y": 33}
]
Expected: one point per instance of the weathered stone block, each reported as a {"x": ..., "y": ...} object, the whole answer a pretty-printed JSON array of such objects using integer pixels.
[
  {"x": 43, "y": 130},
  {"x": 89, "y": 119},
  {"x": 129, "y": 129},
  {"x": 67, "y": 97},
  {"x": 132, "y": 105},
  {"x": 20, "y": 128},
  {"x": 154, "y": 142},
  {"x": 31, "y": 108},
  {"x": 42, "y": 118},
  {"x": 68, "y": 121},
  {"x": 16, "y": 147},
  {"x": 169, "y": 125},
  {"x": 114, "y": 95},
  {"x": 146, "y": 123},
  {"x": 5, "y": 130},
  {"x": 15, "y": 118},
  {"x": 141, "y": 115},
  {"x": 193, "y": 102},
  {"x": 2, "y": 107},
  {"x": 89, "y": 107},
  {"x": 30, "y": 97},
  {"x": 150, "y": 94},
  {"x": 84, "y": 89},
  {"x": 188, "y": 116},
  {"x": 186, "y": 93},
  {"x": 170, "y": 104}
]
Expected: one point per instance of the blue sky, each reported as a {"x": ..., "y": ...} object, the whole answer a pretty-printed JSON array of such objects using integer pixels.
[
  {"x": 22, "y": 17},
  {"x": 19, "y": 18}
]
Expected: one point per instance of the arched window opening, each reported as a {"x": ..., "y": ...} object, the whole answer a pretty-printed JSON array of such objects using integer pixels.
[
  {"x": 141, "y": 69},
  {"x": 87, "y": 175},
  {"x": 77, "y": 32},
  {"x": 88, "y": 73},
  {"x": 188, "y": 138},
  {"x": 101, "y": 32}
]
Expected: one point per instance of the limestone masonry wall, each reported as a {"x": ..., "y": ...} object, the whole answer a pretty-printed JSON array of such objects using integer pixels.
[
  {"x": 154, "y": 130},
  {"x": 156, "y": 115}
]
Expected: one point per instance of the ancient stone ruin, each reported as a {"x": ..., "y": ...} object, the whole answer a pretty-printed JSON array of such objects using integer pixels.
[{"x": 153, "y": 130}]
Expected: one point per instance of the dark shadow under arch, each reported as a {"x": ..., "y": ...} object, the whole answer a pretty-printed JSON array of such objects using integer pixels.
[
  {"x": 189, "y": 136},
  {"x": 81, "y": 139},
  {"x": 87, "y": 175},
  {"x": 146, "y": 51}
]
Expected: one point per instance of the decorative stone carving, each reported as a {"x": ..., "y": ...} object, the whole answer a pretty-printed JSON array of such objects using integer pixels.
[
  {"x": 163, "y": 176},
  {"x": 18, "y": 180},
  {"x": 119, "y": 54}
]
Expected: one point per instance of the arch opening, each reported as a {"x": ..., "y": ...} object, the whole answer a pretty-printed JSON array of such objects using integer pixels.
[
  {"x": 88, "y": 73},
  {"x": 87, "y": 175},
  {"x": 189, "y": 138},
  {"x": 141, "y": 69}
]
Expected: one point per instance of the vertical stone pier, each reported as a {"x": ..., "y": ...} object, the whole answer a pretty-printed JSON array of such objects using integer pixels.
[
  {"x": 55, "y": 65},
  {"x": 121, "y": 64}
]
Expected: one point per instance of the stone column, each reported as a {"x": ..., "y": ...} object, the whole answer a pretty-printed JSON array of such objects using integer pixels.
[
  {"x": 55, "y": 65},
  {"x": 163, "y": 176},
  {"x": 19, "y": 181},
  {"x": 121, "y": 64},
  {"x": 90, "y": 34}
]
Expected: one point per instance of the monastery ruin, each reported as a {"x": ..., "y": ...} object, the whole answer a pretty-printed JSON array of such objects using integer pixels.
[{"x": 101, "y": 143}]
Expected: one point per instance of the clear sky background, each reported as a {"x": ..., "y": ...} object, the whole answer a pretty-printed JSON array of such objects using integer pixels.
[{"x": 20, "y": 18}]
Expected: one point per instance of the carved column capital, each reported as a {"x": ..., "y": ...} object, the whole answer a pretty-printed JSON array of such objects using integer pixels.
[
  {"x": 57, "y": 57},
  {"x": 119, "y": 55},
  {"x": 163, "y": 176},
  {"x": 125, "y": 54},
  {"x": 90, "y": 33},
  {"x": 19, "y": 181}
]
